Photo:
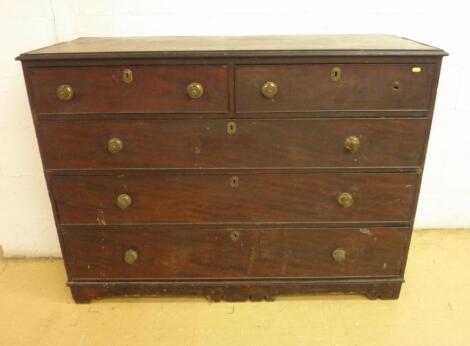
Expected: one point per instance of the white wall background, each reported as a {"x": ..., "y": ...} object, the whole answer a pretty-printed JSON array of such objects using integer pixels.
[{"x": 26, "y": 222}]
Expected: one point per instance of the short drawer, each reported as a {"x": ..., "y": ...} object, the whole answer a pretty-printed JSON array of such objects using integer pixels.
[
  {"x": 322, "y": 87},
  {"x": 124, "y": 89},
  {"x": 235, "y": 253},
  {"x": 237, "y": 143},
  {"x": 213, "y": 197}
]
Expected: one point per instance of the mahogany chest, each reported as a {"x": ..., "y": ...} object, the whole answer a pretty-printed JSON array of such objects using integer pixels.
[{"x": 233, "y": 167}]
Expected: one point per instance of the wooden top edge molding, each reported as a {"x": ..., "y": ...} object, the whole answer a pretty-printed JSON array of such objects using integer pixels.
[{"x": 228, "y": 46}]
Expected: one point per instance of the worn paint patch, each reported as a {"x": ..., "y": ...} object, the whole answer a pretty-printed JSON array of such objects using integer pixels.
[
  {"x": 365, "y": 231},
  {"x": 252, "y": 260},
  {"x": 101, "y": 219}
]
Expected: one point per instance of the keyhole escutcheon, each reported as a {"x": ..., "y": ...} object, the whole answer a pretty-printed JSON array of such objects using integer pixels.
[
  {"x": 231, "y": 127},
  {"x": 127, "y": 75},
  {"x": 234, "y": 182},
  {"x": 335, "y": 74}
]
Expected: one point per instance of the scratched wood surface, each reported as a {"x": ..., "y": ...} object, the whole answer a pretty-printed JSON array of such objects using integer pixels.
[
  {"x": 153, "y": 89},
  {"x": 257, "y": 143},
  {"x": 306, "y": 88},
  {"x": 176, "y": 253},
  {"x": 178, "y": 162},
  {"x": 102, "y": 47},
  {"x": 208, "y": 197}
]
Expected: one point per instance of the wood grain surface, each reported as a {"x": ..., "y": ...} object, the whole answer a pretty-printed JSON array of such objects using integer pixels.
[
  {"x": 234, "y": 216},
  {"x": 257, "y": 143},
  {"x": 153, "y": 89},
  {"x": 308, "y": 87},
  {"x": 208, "y": 197},
  {"x": 176, "y": 253},
  {"x": 161, "y": 46}
]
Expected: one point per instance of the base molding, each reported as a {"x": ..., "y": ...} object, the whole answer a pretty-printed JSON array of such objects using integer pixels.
[{"x": 234, "y": 290}]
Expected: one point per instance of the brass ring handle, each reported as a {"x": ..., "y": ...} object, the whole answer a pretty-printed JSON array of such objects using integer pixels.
[
  {"x": 339, "y": 255},
  {"x": 352, "y": 144},
  {"x": 195, "y": 90},
  {"x": 64, "y": 92},
  {"x": 115, "y": 145},
  {"x": 123, "y": 201},
  {"x": 269, "y": 89},
  {"x": 345, "y": 200},
  {"x": 130, "y": 256}
]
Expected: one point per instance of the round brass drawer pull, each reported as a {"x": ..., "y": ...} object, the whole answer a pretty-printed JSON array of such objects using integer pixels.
[
  {"x": 195, "y": 90},
  {"x": 123, "y": 201},
  {"x": 130, "y": 256},
  {"x": 115, "y": 145},
  {"x": 64, "y": 92},
  {"x": 345, "y": 200},
  {"x": 339, "y": 255},
  {"x": 352, "y": 144},
  {"x": 269, "y": 89}
]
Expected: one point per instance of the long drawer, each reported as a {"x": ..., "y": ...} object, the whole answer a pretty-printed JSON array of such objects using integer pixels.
[
  {"x": 235, "y": 253},
  {"x": 313, "y": 87},
  {"x": 159, "y": 89},
  {"x": 214, "y": 197},
  {"x": 212, "y": 143}
]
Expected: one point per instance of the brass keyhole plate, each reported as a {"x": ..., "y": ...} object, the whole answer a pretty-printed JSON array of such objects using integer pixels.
[
  {"x": 127, "y": 76},
  {"x": 231, "y": 127},
  {"x": 335, "y": 74},
  {"x": 234, "y": 182},
  {"x": 235, "y": 236}
]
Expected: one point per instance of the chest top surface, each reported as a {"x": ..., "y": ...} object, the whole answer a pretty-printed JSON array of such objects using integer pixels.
[{"x": 220, "y": 46}]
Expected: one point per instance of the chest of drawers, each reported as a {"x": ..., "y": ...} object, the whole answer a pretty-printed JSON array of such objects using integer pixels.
[{"x": 233, "y": 168}]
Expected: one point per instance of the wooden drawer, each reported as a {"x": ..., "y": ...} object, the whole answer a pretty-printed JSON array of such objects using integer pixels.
[
  {"x": 255, "y": 143},
  {"x": 161, "y": 88},
  {"x": 212, "y": 197},
  {"x": 235, "y": 253},
  {"x": 309, "y": 87}
]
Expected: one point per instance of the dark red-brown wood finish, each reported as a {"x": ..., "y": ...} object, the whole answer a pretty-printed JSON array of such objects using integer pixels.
[
  {"x": 234, "y": 195},
  {"x": 210, "y": 197},
  {"x": 304, "y": 88},
  {"x": 257, "y": 143},
  {"x": 235, "y": 253},
  {"x": 158, "y": 89}
]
